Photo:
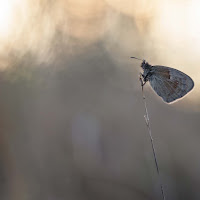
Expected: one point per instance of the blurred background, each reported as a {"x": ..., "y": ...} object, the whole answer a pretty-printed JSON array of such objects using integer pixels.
[{"x": 71, "y": 110}]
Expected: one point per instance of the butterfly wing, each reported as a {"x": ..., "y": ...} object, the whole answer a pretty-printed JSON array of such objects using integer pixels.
[{"x": 169, "y": 83}]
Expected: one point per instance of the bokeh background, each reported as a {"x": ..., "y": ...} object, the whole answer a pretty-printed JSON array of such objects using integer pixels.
[{"x": 71, "y": 110}]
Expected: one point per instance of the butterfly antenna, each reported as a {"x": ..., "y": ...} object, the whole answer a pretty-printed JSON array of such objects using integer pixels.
[{"x": 137, "y": 58}]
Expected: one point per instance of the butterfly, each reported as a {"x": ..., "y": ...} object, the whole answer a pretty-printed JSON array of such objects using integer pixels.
[{"x": 169, "y": 83}]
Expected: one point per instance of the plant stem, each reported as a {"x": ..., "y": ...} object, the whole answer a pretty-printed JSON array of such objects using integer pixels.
[{"x": 146, "y": 116}]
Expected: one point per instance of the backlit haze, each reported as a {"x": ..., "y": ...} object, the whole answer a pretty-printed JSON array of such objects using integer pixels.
[
  {"x": 162, "y": 32},
  {"x": 71, "y": 109}
]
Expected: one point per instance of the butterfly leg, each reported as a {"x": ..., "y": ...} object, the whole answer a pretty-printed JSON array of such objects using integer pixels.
[{"x": 142, "y": 79}]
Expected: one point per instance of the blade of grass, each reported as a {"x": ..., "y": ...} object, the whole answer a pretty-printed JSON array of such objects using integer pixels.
[{"x": 146, "y": 116}]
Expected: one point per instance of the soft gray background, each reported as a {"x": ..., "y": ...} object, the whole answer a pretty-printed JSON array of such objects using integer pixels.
[{"x": 71, "y": 110}]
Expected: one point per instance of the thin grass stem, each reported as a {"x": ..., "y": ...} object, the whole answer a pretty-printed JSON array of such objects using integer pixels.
[{"x": 146, "y": 116}]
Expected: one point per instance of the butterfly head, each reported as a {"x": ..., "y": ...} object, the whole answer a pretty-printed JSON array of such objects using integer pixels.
[
  {"x": 147, "y": 70},
  {"x": 145, "y": 65}
]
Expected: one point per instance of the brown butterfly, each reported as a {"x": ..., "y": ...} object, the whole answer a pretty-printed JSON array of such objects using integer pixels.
[{"x": 170, "y": 84}]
